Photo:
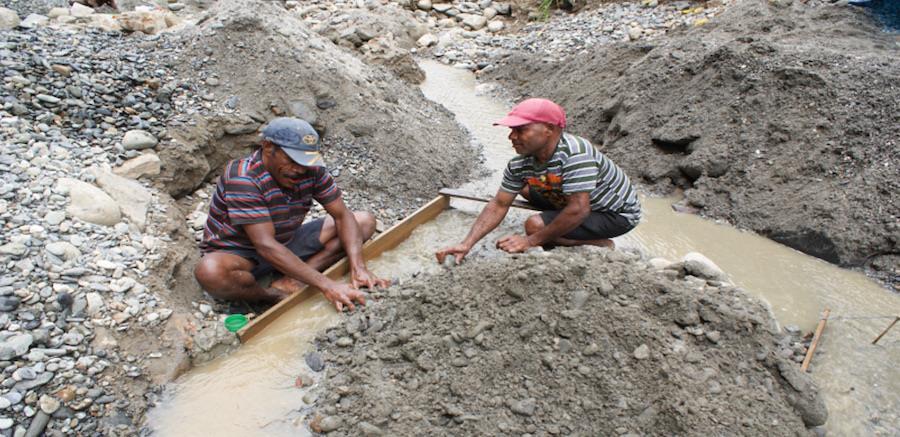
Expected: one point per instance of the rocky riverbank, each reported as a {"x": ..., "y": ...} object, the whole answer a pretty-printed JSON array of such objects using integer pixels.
[{"x": 102, "y": 125}]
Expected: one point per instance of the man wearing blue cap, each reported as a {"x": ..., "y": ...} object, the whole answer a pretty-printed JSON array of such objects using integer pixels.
[{"x": 255, "y": 224}]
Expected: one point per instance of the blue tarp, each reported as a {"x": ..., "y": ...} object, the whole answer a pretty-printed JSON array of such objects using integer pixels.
[{"x": 886, "y": 11}]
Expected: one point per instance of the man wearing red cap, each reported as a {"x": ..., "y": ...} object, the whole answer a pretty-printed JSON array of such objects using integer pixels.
[{"x": 583, "y": 196}]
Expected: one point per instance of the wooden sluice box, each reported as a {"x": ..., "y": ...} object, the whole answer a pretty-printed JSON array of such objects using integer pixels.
[{"x": 383, "y": 242}]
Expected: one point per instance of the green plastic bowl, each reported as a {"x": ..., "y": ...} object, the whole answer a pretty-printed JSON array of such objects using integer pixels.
[{"x": 235, "y": 322}]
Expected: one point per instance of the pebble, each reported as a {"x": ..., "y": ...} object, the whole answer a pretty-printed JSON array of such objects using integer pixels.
[
  {"x": 642, "y": 352},
  {"x": 138, "y": 140},
  {"x": 330, "y": 423},
  {"x": 524, "y": 407},
  {"x": 314, "y": 361}
]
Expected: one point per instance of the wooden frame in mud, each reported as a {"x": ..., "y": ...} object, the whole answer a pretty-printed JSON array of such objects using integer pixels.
[{"x": 385, "y": 241}]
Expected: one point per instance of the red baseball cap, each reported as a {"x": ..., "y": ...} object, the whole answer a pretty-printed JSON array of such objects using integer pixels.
[{"x": 534, "y": 111}]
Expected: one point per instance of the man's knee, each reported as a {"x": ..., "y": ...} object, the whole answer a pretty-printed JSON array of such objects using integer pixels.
[
  {"x": 208, "y": 271},
  {"x": 366, "y": 222},
  {"x": 534, "y": 224}
]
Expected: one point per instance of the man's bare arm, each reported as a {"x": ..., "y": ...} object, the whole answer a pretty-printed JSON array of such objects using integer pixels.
[
  {"x": 578, "y": 207},
  {"x": 262, "y": 235},
  {"x": 487, "y": 221}
]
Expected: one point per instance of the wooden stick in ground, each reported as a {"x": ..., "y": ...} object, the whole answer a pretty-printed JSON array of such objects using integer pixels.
[
  {"x": 815, "y": 340},
  {"x": 459, "y": 194},
  {"x": 886, "y": 330}
]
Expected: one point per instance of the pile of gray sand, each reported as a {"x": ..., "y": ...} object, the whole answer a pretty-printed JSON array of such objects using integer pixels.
[{"x": 561, "y": 343}]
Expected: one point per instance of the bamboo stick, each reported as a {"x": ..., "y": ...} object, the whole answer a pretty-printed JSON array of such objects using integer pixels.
[
  {"x": 815, "y": 341},
  {"x": 896, "y": 319}
]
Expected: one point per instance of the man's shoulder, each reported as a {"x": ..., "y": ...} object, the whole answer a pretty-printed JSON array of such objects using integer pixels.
[
  {"x": 246, "y": 168},
  {"x": 575, "y": 145}
]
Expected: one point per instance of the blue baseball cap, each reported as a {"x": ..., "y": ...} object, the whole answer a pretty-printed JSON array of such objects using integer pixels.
[{"x": 297, "y": 138}]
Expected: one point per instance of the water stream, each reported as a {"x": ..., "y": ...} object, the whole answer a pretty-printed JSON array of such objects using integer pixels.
[{"x": 252, "y": 392}]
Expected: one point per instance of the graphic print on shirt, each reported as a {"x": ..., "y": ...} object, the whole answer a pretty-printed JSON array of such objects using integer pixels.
[{"x": 549, "y": 186}]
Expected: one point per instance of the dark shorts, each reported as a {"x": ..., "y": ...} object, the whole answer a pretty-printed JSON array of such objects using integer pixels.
[
  {"x": 598, "y": 225},
  {"x": 305, "y": 243}
]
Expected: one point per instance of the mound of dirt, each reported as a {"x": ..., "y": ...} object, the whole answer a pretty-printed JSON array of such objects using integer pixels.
[
  {"x": 257, "y": 61},
  {"x": 778, "y": 116},
  {"x": 564, "y": 342}
]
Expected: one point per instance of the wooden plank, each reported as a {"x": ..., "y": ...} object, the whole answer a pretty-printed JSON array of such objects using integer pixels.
[
  {"x": 815, "y": 341},
  {"x": 385, "y": 241},
  {"x": 459, "y": 194}
]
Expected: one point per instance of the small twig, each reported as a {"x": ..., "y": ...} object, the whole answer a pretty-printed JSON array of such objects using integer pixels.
[
  {"x": 815, "y": 341},
  {"x": 896, "y": 319}
]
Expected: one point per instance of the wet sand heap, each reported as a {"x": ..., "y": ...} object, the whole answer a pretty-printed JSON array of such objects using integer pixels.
[{"x": 564, "y": 342}]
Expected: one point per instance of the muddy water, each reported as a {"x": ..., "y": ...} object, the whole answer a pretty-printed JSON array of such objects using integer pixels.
[
  {"x": 861, "y": 382},
  {"x": 252, "y": 392}
]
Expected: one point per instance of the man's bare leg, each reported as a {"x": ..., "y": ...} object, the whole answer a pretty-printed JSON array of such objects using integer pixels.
[
  {"x": 535, "y": 223},
  {"x": 228, "y": 276},
  {"x": 332, "y": 249}
]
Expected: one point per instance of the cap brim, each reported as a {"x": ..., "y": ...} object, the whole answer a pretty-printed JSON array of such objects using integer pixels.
[
  {"x": 513, "y": 121},
  {"x": 305, "y": 158}
]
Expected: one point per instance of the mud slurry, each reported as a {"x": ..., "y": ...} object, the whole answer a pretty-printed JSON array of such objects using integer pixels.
[{"x": 568, "y": 342}]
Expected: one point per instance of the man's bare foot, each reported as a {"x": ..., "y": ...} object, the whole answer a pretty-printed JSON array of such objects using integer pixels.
[
  {"x": 275, "y": 295},
  {"x": 288, "y": 285}
]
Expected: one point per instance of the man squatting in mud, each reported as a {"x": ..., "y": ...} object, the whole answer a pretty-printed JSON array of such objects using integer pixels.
[
  {"x": 583, "y": 196},
  {"x": 255, "y": 224}
]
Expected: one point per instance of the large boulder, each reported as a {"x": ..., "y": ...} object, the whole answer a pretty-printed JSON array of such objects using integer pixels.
[
  {"x": 9, "y": 19},
  {"x": 133, "y": 199},
  {"x": 90, "y": 203}
]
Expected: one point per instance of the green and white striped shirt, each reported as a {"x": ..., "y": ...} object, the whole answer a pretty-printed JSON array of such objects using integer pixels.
[{"x": 575, "y": 167}]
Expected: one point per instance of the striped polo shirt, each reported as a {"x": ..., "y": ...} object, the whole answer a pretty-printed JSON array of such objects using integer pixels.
[
  {"x": 575, "y": 167},
  {"x": 246, "y": 193}
]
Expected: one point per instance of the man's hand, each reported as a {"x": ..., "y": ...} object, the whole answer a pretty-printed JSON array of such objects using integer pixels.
[
  {"x": 362, "y": 277},
  {"x": 459, "y": 252},
  {"x": 514, "y": 243},
  {"x": 344, "y": 295}
]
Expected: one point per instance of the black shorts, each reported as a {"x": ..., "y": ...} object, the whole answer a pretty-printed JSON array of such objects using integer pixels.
[
  {"x": 598, "y": 225},
  {"x": 305, "y": 243}
]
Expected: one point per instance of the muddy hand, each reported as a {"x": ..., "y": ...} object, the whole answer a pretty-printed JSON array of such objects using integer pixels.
[
  {"x": 342, "y": 295},
  {"x": 459, "y": 252},
  {"x": 514, "y": 243},
  {"x": 364, "y": 278}
]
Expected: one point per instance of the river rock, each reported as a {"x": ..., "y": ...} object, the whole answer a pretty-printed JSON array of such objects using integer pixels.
[
  {"x": 49, "y": 404},
  {"x": 94, "y": 303},
  {"x": 524, "y": 407},
  {"x": 63, "y": 250},
  {"x": 138, "y": 140},
  {"x": 15, "y": 346},
  {"x": 495, "y": 26},
  {"x": 149, "y": 22},
  {"x": 133, "y": 199},
  {"x": 90, "y": 203},
  {"x": 330, "y": 423},
  {"x": 14, "y": 249},
  {"x": 702, "y": 267},
  {"x": 424, "y": 5},
  {"x": 475, "y": 22},
  {"x": 502, "y": 8},
  {"x": 147, "y": 164},
  {"x": 9, "y": 19},
  {"x": 57, "y": 12},
  {"x": 80, "y": 10},
  {"x": 34, "y": 20},
  {"x": 427, "y": 40},
  {"x": 54, "y": 218},
  {"x": 642, "y": 352}
]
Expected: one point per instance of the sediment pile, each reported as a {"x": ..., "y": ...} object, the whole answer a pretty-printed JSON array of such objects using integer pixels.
[{"x": 569, "y": 342}]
